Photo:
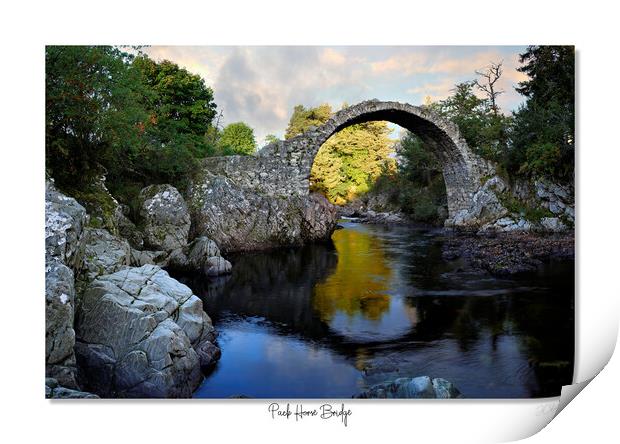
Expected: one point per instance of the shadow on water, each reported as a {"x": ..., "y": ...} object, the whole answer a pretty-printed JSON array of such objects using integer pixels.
[{"x": 380, "y": 303}]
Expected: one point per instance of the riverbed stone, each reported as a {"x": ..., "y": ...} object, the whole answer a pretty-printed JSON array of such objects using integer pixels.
[
  {"x": 217, "y": 266},
  {"x": 412, "y": 388},
  {"x": 164, "y": 218},
  {"x": 136, "y": 332},
  {"x": 553, "y": 224},
  {"x": 201, "y": 249},
  {"x": 65, "y": 220},
  {"x": 53, "y": 390}
]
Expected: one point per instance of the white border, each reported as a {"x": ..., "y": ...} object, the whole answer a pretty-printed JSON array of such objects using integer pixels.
[{"x": 27, "y": 26}]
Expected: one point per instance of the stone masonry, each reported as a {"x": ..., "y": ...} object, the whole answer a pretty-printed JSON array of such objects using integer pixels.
[{"x": 282, "y": 168}]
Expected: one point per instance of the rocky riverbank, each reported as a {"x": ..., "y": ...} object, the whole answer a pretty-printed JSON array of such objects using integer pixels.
[
  {"x": 509, "y": 253},
  {"x": 117, "y": 325}
]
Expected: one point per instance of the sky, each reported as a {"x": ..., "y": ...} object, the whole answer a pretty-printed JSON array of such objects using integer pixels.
[{"x": 260, "y": 85}]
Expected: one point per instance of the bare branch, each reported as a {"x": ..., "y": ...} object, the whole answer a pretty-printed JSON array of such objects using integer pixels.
[{"x": 486, "y": 83}]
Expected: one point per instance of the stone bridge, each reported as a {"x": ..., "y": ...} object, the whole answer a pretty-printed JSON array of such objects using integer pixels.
[{"x": 282, "y": 168}]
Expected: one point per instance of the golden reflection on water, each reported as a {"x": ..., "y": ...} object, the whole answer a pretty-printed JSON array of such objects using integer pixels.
[{"x": 359, "y": 285}]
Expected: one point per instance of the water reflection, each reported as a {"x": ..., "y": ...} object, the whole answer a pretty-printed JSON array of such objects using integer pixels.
[
  {"x": 326, "y": 321},
  {"x": 357, "y": 299}
]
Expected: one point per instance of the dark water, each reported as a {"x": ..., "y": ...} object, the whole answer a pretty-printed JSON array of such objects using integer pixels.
[{"x": 380, "y": 303}]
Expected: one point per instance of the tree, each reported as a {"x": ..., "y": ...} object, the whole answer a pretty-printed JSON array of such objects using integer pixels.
[
  {"x": 95, "y": 111},
  {"x": 351, "y": 160},
  {"x": 182, "y": 108},
  {"x": 237, "y": 138},
  {"x": 271, "y": 138},
  {"x": 418, "y": 164},
  {"x": 482, "y": 128},
  {"x": 139, "y": 121},
  {"x": 304, "y": 118},
  {"x": 543, "y": 133},
  {"x": 486, "y": 83}
]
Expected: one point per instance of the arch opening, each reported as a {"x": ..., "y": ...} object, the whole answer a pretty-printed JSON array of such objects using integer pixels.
[{"x": 461, "y": 168}]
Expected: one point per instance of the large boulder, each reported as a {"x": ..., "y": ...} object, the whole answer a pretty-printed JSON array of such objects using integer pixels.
[
  {"x": 240, "y": 219},
  {"x": 419, "y": 387},
  {"x": 65, "y": 219},
  {"x": 127, "y": 229},
  {"x": 103, "y": 253},
  {"x": 203, "y": 255},
  {"x": 141, "y": 333},
  {"x": 164, "y": 218},
  {"x": 59, "y": 315},
  {"x": 216, "y": 266}
]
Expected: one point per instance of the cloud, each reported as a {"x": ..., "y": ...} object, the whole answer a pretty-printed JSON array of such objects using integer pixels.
[
  {"x": 261, "y": 85},
  {"x": 436, "y": 91}
]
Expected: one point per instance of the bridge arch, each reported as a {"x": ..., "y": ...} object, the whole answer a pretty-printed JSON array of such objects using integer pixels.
[{"x": 462, "y": 169}]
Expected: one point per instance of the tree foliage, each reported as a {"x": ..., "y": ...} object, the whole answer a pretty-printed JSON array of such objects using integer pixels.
[
  {"x": 543, "y": 135},
  {"x": 138, "y": 120},
  {"x": 417, "y": 186},
  {"x": 237, "y": 138},
  {"x": 95, "y": 110},
  {"x": 303, "y": 118},
  {"x": 483, "y": 128},
  {"x": 350, "y": 161}
]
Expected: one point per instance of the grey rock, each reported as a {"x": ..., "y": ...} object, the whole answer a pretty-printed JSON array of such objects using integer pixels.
[
  {"x": 59, "y": 316},
  {"x": 485, "y": 207},
  {"x": 136, "y": 331},
  {"x": 65, "y": 219},
  {"x": 238, "y": 219},
  {"x": 217, "y": 266},
  {"x": 553, "y": 224},
  {"x": 445, "y": 389},
  {"x": 53, "y": 390},
  {"x": 412, "y": 388},
  {"x": 201, "y": 249},
  {"x": 128, "y": 230},
  {"x": 139, "y": 258},
  {"x": 103, "y": 253},
  {"x": 164, "y": 218}
]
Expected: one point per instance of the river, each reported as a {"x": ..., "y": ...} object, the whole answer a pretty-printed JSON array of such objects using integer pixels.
[{"x": 327, "y": 321}]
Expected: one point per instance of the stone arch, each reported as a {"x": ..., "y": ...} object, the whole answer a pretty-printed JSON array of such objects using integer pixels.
[{"x": 462, "y": 169}]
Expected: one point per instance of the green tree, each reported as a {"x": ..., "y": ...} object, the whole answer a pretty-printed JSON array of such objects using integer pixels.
[
  {"x": 95, "y": 111},
  {"x": 237, "y": 138},
  {"x": 417, "y": 186},
  {"x": 303, "y": 118},
  {"x": 543, "y": 135},
  {"x": 140, "y": 121},
  {"x": 271, "y": 138},
  {"x": 182, "y": 108},
  {"x": 418, "y": 164},
  {"x": 481, "y": 125}
]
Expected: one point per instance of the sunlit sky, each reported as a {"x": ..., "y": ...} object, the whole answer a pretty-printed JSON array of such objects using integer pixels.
[{"x": 261, "y": 85}]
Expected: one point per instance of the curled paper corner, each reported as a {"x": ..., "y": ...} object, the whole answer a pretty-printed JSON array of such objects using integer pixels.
[{"x": 569, "y": 392}]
